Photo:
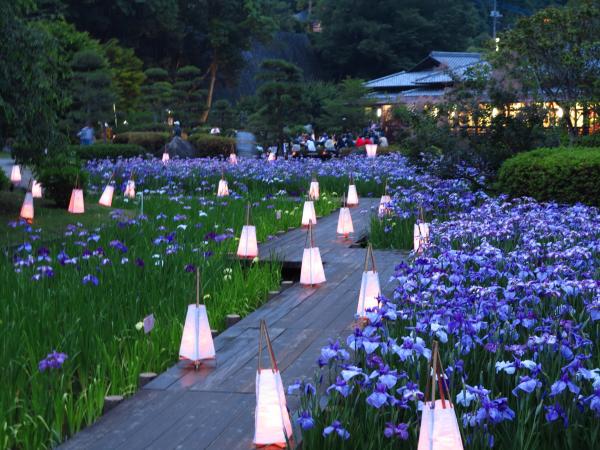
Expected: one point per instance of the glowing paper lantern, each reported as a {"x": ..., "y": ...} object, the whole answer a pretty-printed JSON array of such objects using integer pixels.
[
  {"x": 15, "y": 174},
  {"x": 233, "y": 158},
  {"x": 311, "y": 271},
  {"x": 165, "y": 157},
  {"x": 352, "y": 196},
  {"x": 107, "y": 195},
  {"x": 223, "y": 189},
  {"x": 272, "y": 156},
  {"x": 345, "y": 226},
  {"x": 130, "y": 189},
  {"x": 27, "y": 208},
  {"x": 197, "y": 342},
  {"x": 248, "y": 247},
  {"x": 439, "y": 427},
  {"x": 36, "y": 189},
  {"x": 308, "y": 214},
  {"x": 76, "y": 205},
  {"x": 272, "y": 424},
  {"x": 384, "y": 205},
  {"x": 313, "y": 191},
  {"x": 371, "y": 150},
  {"x": 369, "y": 286}
]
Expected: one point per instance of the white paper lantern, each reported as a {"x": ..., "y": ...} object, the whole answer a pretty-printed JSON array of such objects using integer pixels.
[
  {"x": 36, "y": 189},
  {"x": 371, "y": 150},
  {"x": 15, "y": 174},
  {"x": 76, "y": 205},
  {"x": 272, "y": 424},
  {"x": 233, "y": 159},
  {"x": 223, "y": 189},
  {"x": 272, "y": 156},
  {"x": 197, "y": 342},
  {"x": 384, "y": 205},
  {"x": 27, "y": 208},
  {"x": 311, "y": 272},
  {"x": 352, "y": 196},
  {"x": 165, "y": 157},
  {"x": 345, "y": 226},
  {"x": 130, "y": 189},
  {"x": 308, "y": 214},
  {"x": 107, "y": 196},
  {"x": 313, "y": 191},
  {"x": 420, "y": 236},
  {"x": 248, "y": 247},
  {"x": 369, "y": 292}
]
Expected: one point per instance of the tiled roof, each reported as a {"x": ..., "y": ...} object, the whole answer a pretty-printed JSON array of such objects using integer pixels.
[
  {"x": 454, "y": 60},
  {"x": 423, "y": 93},
  {"x": 400, "y": 79}
]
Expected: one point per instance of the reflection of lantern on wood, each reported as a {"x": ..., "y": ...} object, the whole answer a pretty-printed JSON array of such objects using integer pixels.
[
  {"x": 248, "y": 247},
  {"x": 107, "y": 195},
  {"x": 130, "y": 189},
  {"x": 223, "y": 189},
  {"x": 369, "y": 286},
  {"x": 421, "y": 234},
  {"x": 345, "y": 226},
  {"x": 313, "y": 191},
  {"x": 352, "y": 199},
  {"x": 27, "y": 208},
  {"x": 311, "y": 271},
  {"x": 36, "y": 189},
  {"x": 15, "y": 174},
  {"x": 308, "y": 214},
  {"x": 76, "y": 205},
  {"x": 371, "y": 150},
  {"x": 233, "y": 158},
  {"x": 272, "y": 424},
  {"x": 197, "y": 342},
  {"x": 439, "y": 427}
]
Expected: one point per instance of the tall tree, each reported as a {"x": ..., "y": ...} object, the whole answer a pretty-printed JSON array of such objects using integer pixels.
[
  {"x": 555, "y": 55},
  {"x": 157, "y": 92},
  {"x": 188, "y": 94},
  {"x": 127, "y": 74},
  {"x": 346, "y": 110}
]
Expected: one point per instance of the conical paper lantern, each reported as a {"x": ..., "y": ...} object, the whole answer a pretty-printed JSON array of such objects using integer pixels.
[
  {"x": 371, "y": 150},
  {"x": 369, "y": 286},
  {"x": 345, "y": 226},
  {"x": 421, "y": 236},
  {"x": 197, "y": 342},
  {"x": 248, "y": 247},
  {"x": 311, "y": 271},
  {"x": 107, "y": 196},
  {"x": 165, "y": 157},
  {"x": 223, "y": 189},
  {"x": 233, "y": 158},
  {"x": 36, "y": 189},
  {"x": 76, "y": 205},
  {"x": 439, "y": 427},
  {"x": 15, "y": 174},
  {"x": 27, "y": 208},
  {"x": 313, "y": 191},
  {"x": 272, "y": 156},
  {"x": 308, "y": 214},
  {"x": 352, "y": 196},
  {"x": 384, "y": 205},
  {"x": 272, "y": 424},
  {"x": 130, "y": 189}
]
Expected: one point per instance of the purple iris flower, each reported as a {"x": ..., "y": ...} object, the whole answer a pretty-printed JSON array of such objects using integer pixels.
[
  {"x": 336, "y": 426},
  {"x": 53, "y": 360},
  {"x": 305, "y": 420},
  {"x": 90, "y": 279},
  {"x": 399, "y": 431}
]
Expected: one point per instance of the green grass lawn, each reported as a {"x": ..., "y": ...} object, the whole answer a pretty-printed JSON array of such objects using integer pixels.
[{"x": 4, "y": 155}]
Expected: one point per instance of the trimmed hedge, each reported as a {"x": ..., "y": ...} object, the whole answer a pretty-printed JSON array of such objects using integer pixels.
[
  {"x": 153, "y": 141},
  {"x": 58, "y": 175},
  {"x": 209, "y": 145},
  {"x": 565, "y": 175},
  {"x": 102, "y": 151}
]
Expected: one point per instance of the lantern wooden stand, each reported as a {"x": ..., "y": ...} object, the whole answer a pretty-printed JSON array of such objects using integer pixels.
[
  {"x": 27, "y": 211},
  {"x": 309, "y": 216},
  {"x": 197, "y": 343},
  {"x": 313, "y": 190},
  {"x": 107, "y": 195},
  {"x": 384, "y": 208},
  {"x": 311, "y": 271},
  {"x": 272, "y": 426},
  {"x": 352, "y": 199},
  {"x": 439, "y": 427},
  {"x": 36, "y": 189},
  {"x": 76, "y": 204},
  {"x": 421, "y": 233},
  {"x": 371, "y": 150},
  {"x": 248, "y": 246},
  {"x": 345, "y": 226},
  {"x": 370, "y": 291},
  {"x": 223, "y": 189},
  {"x": 15, "y": 174},
  {"x": 233, "y": 159}
]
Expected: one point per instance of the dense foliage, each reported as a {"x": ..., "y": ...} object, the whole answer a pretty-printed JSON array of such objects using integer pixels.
[
  {"x": 152, "y": 141},
  {"x": 107, "y": 151}
]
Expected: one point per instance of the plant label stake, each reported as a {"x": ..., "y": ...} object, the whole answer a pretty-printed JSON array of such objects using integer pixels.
[
  {"x": 272, "y": 424},
  {"x": 370, "y": 291},
  {"x": 197, "y": 342}
]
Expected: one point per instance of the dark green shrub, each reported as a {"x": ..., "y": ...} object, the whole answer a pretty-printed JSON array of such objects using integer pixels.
[
  {"x": 102, "y": 151},
  {"x": 590, "y": 140},
  {"x": 209, "y": 145},
  {"x": 152, "y": 141},
  {"x": 59, "y": 175},
  {"x": 566, "y": 175},
  {"x": 4, "y": 181},
  {"x": 144, "y": 126}
]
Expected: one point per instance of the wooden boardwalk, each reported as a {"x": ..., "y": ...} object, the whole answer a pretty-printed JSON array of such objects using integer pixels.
[{"x": 213, "y": 408}]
